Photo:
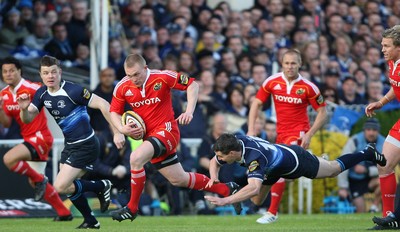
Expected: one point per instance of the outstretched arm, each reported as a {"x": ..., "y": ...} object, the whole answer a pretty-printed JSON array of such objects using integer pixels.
[{"x": 252, "y": 189}]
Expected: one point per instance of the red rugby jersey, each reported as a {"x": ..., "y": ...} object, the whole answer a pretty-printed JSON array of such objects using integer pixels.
[
  {"x": 152, "y": 102},
  {"x": 291, "y": 101}
]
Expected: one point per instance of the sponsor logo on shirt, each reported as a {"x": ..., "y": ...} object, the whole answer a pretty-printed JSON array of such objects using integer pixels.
[
  {"x": 12, "y": 107},
  {"x": 128, "y": 93},
  {"x": 157, "y": 86},
  {"x": 149, "y": 101},
  {"x": 288, "y": 99},
  {"x": 47, "y": 104},
  {"x": 161, "y": 133},
  {"x": 393, "y": 82},
  {"x": 5, "y": 97},
  {"x": 320, "y": 99},
  {"x": 253, "y": 165},
  {"x": 86, "y": 94},
  {"x": 183, "y": 79},
  {"x": 277, "y": 87}
]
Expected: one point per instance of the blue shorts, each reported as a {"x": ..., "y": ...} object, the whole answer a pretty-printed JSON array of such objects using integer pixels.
[
  {"x": 308, "y": 165},
  {"x": 81, "y": 155}
]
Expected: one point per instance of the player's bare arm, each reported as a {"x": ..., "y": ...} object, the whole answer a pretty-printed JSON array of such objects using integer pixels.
[
  {"x": 320, "y": 120},
  {"x": 5, "y": 120},
  {"x": 27, "y": 111},
  {"x": 254, "y": 109},
  {"x": 213, "y": 170},
  {"x": 370, "y": 109},
  {"x": 192, "y": 95},
  {"x": 252, "y": 189},
  {"x": 101, "y": 104}
]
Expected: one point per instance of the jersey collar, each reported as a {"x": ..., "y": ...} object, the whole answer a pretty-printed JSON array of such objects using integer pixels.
[{"x": 243, "y": 151}]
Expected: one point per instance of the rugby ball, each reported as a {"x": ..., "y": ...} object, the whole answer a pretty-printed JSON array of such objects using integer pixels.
[{"x": 130, "y": 117}]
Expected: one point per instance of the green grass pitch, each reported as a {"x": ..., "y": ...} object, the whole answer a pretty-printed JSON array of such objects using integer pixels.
[{"x": 292, "y": 223}]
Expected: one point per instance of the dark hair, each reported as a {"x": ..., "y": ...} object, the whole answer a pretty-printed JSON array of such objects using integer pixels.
[
  {"x": 227, "y": 143},
  {"x": 48, "y": 61},
  {"x": 12, "y": 60}
]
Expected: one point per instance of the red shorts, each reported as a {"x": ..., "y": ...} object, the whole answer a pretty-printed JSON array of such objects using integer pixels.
[
  {"x": 290, "y": 138},
  {"x": 170, "y": 137},
  {"x": 395, "y": 130},
  {"x": 41, "y": 143}
]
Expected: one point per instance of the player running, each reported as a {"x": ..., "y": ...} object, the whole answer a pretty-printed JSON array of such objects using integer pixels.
[{"x": 28, "y": 158}]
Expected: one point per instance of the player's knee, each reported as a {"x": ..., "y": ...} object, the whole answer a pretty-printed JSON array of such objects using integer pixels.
[
  {"x": 178, "y": 182},
  {"x": 387, "y": 169},
  {"x": 60, "y": 188},
  {"x": 9, "y": 162}
]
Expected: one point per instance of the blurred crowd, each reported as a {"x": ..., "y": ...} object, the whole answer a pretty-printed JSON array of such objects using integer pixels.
[{"x": 229, "y": 52}]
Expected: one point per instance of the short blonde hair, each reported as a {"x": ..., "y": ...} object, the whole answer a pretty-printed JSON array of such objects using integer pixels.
[{"x": 133, "y": 59}]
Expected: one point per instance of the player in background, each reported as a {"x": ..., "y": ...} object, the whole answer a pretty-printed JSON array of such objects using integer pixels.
[
  {"x": 291, "y": 95},
  {"x": 28, "y": 158},
  {"x": 391, "y": 147},
  {"x": 267, "y": 162},
  {"x": 67, "y": 103},
  {"x": 148, "y": 92}
]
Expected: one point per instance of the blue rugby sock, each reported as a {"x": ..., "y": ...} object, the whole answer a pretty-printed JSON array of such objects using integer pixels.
[
  {"x": 349, "y": 160},
  {"x": 80, "y": 202}
]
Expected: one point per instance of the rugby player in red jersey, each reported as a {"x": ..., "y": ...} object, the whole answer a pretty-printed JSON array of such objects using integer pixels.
[
  {"x": 28, "y": 158},
  {"x": 391, "y": 147},
  {"x": 291, "y": 94},
  {"x": 148, "y": 92}
]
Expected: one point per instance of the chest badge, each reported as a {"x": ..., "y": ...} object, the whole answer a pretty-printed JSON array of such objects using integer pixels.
[
  {"x": 300, "y": 91},
  {"x": 157, "y": 86}
]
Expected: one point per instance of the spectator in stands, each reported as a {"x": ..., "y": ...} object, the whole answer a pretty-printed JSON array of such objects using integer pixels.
[
  {"x": 59, "y": 46},
  {"x": 232, "y": 29},
  {"x": 150, "y": 53},
  {"x": 235, "y": 43},
  {"x": 79, "y": 23},
  {"x": 146, "y": 18},
  {"x": 278, "y": 28},
  {"x": 362, "y": 78},
  {"x": 332, "y": 79},
  {"x": 348, "y": 94},
  {"x": 26, "y": 9},
  {"x": 51, "y": 17},
  {"x": 116, "y": 57},
  {"x": 374, "y": 91},
  {"x": 208, "y": 41},
  {"x": 341, "y": 46},
  {"x": 254, "y": 39},
  {"x": 104, "y": 89},
  {"x": 236, "y": 102},
  {"x": 362, "y": 178},
  {"x": 228, "y": 62},
  {"x": 221, "y": 88},
  {"x": 185, "y": 12},
  {"x": 13, "y": 33},
  {"x": 175, "y": 44},
  {"x": 65, "y": 14},
  {"x": 215, "y": 25},
  {"x": 259, "y": 74},
  {"x": 82, "y": 60},
  {"x": 187, "y": 63},
  {"x": 270, "y": 129},
  {"x": 205, "y": 61},
  {"x": 358, "y": 49},
  {"x": 244, "y": 64},
  {"x": 335, "y": 27},
  {"x": 41, "y": 35}
]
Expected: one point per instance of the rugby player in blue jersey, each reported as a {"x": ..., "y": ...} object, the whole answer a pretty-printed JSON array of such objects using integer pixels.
[
  {"x": 67, "y": 103},
  {"x": 267, "y": 162}
]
